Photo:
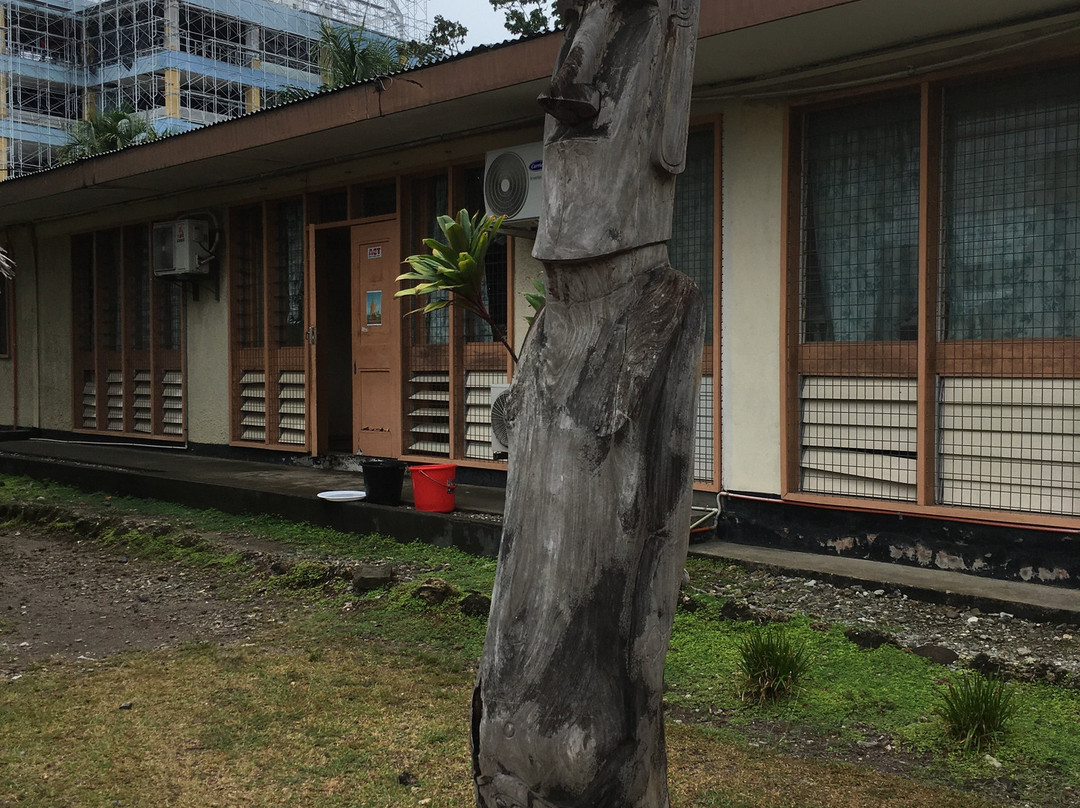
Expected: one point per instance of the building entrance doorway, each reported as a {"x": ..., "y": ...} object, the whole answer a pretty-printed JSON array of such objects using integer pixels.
[
  {"x": 356, "y": 340},
  {"x": 333, "y": 342},
  {"x": 376, "y": 340}
]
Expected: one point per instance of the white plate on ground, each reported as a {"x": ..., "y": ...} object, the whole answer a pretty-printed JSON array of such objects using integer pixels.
[{"x": 341, "y": 496}]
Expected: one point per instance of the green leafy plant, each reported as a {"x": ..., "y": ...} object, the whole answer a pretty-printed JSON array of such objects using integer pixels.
[
  {"x": 527, "y": 17},
  {"x": 446, "y": 38},
  {"x": 347, "y": 55},
  {"x": 770, "y": 664},
  {"x": 536, "y": 299},
  {"x": 104, "y": 131},
  {"x": 977, "y": 711},
  {"x": 456, "y": 266}
]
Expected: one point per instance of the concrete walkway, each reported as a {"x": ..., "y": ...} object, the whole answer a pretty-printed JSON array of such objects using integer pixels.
[
  {"x": 1038, "y": 601},
  {"x": 289, "y": 491}
]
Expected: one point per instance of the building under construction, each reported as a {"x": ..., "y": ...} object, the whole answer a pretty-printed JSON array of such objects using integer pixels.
[{"x": 179, "y": 63}]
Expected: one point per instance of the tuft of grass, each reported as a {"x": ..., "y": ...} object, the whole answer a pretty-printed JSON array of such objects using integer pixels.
[
  {"x": 770, "y": 664},
  {"x": 977, "y": 711},
  {"x": 304, "y": 574}
]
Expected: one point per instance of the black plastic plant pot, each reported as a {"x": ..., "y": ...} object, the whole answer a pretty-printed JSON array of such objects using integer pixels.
[{"x": 382, "y": 480}]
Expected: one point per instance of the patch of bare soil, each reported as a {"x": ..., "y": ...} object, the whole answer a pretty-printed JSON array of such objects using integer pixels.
[{"x": 61, "y": 596}]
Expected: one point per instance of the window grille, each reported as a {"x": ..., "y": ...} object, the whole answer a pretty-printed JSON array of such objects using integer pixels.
[
  {"x": 289, "y": 280},
  {"x": 5, "y": 316},
  {"x": 1001, "y": 401},
  {"x": 427, "y": 405},
  {"x": 484, "y": 358},
  {"x": 1009, "y": 405},
  {"x": 860, "y": 236},
  {"x": 691, "y": 250},
  {"x": 128, "y": 325},
  {"x": 170, "y": 303},
  {"x": 454, "y": 357},
  {"x": 247, "y": 286},
  {"x": 268, "y": 348}
]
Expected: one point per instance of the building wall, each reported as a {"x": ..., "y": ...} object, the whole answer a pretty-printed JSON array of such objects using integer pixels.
[
  {"x": 25, "y": 325},
  {"x": 41, "y": 333},
  {"x": 207, "y": 342},
  {"x": 52, "y": 368},
  {"x": 14, "y": 242},
  {"x": 43, "y": 341},
  {"x": 750, "y": 337},
  {"x": 525, "y": 269}
]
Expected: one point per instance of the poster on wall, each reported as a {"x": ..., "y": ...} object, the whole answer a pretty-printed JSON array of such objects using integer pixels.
[{"x": 374, "y": 308}]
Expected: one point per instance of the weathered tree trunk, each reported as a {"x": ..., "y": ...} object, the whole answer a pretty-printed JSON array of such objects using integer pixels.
[{"x": 567, "y": 711}]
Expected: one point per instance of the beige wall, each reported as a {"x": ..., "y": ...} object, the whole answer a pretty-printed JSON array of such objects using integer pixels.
[
  {"x": 53, "y": 337},
  {"x": 41, "y": 333},
  {"x": 525, "y": 269},
  {"x": 752, "y": 205},
  {"x": 207, "y": 342}
]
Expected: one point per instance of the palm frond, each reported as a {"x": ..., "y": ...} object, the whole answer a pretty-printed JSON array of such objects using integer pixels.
[
  {"x": 105, "y": 131},
  {"x": 7, "y": 265}
]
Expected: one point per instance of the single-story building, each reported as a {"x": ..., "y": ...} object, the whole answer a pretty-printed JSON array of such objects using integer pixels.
[{"x": 881, "y": 202}]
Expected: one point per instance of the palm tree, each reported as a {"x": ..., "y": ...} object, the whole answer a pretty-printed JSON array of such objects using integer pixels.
[
  {"x": 346, "y": 57},
  {"x": 106, "y": 131}
]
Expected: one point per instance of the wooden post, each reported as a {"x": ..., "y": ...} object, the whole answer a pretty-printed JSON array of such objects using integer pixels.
[{"x": 567, "y": 709}]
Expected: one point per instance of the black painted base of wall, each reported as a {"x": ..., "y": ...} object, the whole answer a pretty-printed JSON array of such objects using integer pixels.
[
  {"x": 1009, "y": 553},
  {"x": 17, "y": 433}
]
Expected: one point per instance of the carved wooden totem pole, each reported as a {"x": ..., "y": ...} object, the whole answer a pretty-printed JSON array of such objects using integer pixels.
[{"x": 567, "y": 710}]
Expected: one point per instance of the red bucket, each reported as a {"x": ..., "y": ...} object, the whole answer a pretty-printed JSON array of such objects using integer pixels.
[{"x": 433, "y": 487}]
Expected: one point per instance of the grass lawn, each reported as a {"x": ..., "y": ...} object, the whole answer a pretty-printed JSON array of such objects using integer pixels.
[{"x": 363, "y": 701}]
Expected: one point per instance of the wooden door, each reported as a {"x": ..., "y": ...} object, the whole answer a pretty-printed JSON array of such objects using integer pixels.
[{"x": 376, "y": 339}]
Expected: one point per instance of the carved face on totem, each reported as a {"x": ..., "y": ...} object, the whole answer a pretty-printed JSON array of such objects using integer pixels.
[{"x": 615, "y": 135}]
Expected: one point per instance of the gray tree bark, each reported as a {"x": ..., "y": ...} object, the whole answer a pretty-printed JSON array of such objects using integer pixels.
[{"x": 567, "y": 709}]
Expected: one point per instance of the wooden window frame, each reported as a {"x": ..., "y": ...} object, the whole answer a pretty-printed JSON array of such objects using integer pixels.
[
  {"x": 451, "y": 355},
  {"x": 925, "y": 359},
  {"x": 100, "y": 359},
  {"x": 7, "y": 316},
  {"x": 263, "y": 354},
  {"x": 711, "y": 353}
]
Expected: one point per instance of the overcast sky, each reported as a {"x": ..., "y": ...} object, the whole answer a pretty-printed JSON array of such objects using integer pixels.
[{"x": 484, "y": 23}]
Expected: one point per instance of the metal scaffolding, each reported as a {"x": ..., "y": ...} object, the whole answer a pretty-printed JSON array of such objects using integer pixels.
[{"x": 179, "y": 63}]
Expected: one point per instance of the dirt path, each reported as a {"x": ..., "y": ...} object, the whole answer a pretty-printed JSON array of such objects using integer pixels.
[{"x": 60, "y": 596}]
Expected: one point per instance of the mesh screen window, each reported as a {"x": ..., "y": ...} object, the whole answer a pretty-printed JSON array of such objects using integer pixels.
[
  {"x": 1002, "y": 402},
  {"x": 860, "y": 234},
  {"x": 691, "y": 250},
  {"x": 1007, "y": 400}
]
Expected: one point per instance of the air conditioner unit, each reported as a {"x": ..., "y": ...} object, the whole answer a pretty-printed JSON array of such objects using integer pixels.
[
  {"x": 513, "y": 184},
  {"x": 500, "y": 423},
  {"x": 181, "y": 248}
]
